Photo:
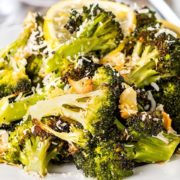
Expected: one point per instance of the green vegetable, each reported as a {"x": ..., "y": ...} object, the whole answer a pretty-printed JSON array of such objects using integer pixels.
[
  {"x": 30, "y": 146},
  {"x": 13, "y": 111},
  {"x": 153, "y": 149},
  {"x": 80, "y": 108},
  {"x": 105, "y": 161},
  {"x": 100, "y": 34},
  {"x": 145, "y": 124},
  {"x": 169, "y": 96}
]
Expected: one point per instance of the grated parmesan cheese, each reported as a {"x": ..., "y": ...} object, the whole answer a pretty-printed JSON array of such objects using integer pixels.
[
  {"x": 143, "y": 11},
  {"x": 166, "y": 31},
  {"x": 155, "y": 86},
  {"x": 162, "y": 138},
  {"x": 153, "y": 102}
]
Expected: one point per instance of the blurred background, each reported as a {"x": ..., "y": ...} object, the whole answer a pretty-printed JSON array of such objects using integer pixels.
[{"x": 12, "y": 12}]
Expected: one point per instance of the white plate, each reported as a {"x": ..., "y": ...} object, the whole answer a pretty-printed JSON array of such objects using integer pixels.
[{"x": 166, "y": 171}]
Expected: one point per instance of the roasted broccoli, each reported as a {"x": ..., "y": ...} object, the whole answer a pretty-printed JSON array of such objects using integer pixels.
[
  {"x": 145, "y": 124},
  {"x": 33, "y": 68},
  {"x": 80, "y": 108},
  {"x": 30, "y": 146},
  {"x": 144, "y": 137},
  {"x": 12, "y": 49},
  {"x": 106, "y": 76},
  {"x": 106, "y": 161},
  {"x": 13, "y": 82},
  {"x": 105, "y": 102},
  {"x": 100, "y": 34},
  {"x": 145, "y": 18},
  {"x": 153, "y": 149},
  {"x": 85, "y": 67},
  {"x": 39, "y": 51},
  {"x": 151, "y": 52},
  {"x": 152, "y": 58},
  {"x": 13, "y": 62},
  {"x": 169, "y": 96}
]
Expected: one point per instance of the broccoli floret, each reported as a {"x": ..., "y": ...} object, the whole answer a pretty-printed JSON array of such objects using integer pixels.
[
  {"x": 152, "y": 58},
  {"x": 13, "y": 82},
  {"x": 35, "y": 156},
  {"x": 151, "y": 52},
  {"x": 16, "y": 138},
  {"x": 77, "y": 18},
  {"x": 145, "y": 124},
  {"x": 33, "y": 67},
  {"x": 39, "y": 51},
  {"x": 110, "y": 162},
  {"x": 104, "y": 161},
  {"x": 169, "y": 96},
  {"x": 168, "y": 46},
  {"x": 30, "y": 146},
  {"x": 21, "y": 62},
  {"x": 106, "y": 76},
  {"x": 85, "y": 67},
  {"x": 145, "y": 18},
  {"x": 84, "y": 160},
  {"x": 74, "y": 21},
  {"x": 144, "y": 138},
  {"x": 90, "y": 110},
  {"x": 21, "y": 41},
  {"x": 100, "y": 34},
  {"x": 13, "y": 61}
]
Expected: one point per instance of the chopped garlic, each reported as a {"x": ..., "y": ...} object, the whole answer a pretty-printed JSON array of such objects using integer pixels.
[
  {"x": 3, "y": 140},
  {"x": 128, "y": 102}
]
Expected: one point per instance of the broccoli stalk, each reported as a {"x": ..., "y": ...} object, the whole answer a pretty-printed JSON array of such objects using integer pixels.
[{"x": 13, "y": 111}]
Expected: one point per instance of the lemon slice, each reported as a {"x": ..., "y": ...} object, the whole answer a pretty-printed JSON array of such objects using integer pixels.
[
  {"x": 171, "y": 26},
  {"x": 57, "y": 16}
]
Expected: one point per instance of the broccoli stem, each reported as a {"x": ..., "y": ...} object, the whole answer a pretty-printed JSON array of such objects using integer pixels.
[
  {"x": 78, "y": 46},
  {"x": 15, "y": 111},
  {"x": 144, "y": 75},
  {"x": 119, "y": 125},
  {"x": 153, "y": 149}
]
